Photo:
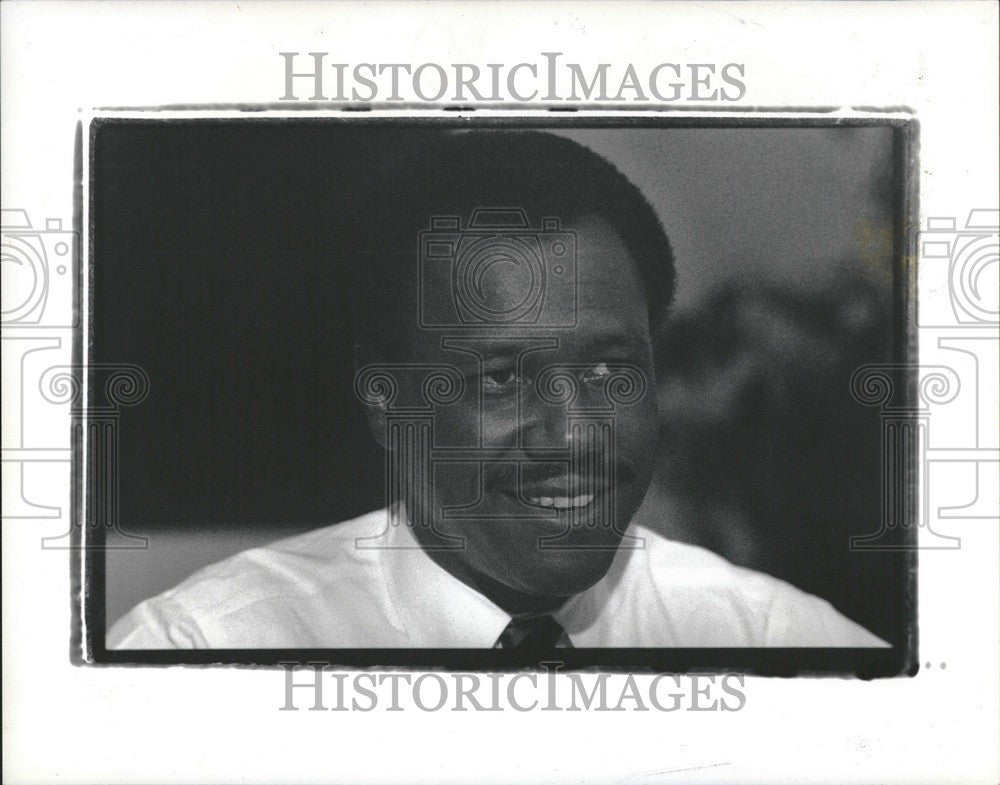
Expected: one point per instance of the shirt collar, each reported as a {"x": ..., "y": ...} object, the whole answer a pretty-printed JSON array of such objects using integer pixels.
[{"x": 436, "y": 609}]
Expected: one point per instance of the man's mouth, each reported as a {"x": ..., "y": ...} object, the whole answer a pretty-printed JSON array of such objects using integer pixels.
[
  {"x": 544, "y": 489},
  {"x": 561, "y": 502},
  {"x": 577, "y": 494}
]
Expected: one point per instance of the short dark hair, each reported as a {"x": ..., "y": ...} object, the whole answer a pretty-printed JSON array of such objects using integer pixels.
[{"x": 451, "y": 172}]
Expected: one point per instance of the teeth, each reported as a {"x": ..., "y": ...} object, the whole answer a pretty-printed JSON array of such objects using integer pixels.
[{"x": 562, "y": 502}]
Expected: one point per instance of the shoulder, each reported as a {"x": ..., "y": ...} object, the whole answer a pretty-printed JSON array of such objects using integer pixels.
[
  {"x": 715, "y": 602},
  {"x": 264, "y": 596}
]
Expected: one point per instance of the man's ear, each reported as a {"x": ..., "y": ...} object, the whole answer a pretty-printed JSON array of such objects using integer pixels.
[
  {"x": 375, "y": 415},
  {"x": 375, "y": 411}
]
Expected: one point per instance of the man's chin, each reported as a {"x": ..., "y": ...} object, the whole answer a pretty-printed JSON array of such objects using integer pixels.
[{"x": 562, "y": 570}]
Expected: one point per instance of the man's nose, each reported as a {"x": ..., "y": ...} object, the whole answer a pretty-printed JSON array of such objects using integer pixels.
[{"x": 543, "y": 424}]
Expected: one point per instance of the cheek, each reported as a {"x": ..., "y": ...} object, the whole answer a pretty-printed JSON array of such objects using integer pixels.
[
  {"x": 637, "y": 432},
  {"x": 456, "y": 425},
  {"x": 455, "y": 484}
]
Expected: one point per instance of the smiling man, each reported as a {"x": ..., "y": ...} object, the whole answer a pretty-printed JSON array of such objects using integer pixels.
[{"x": 506, "y": 301}]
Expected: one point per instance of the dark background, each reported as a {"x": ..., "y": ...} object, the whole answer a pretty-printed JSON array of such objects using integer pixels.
[{"x": 219, "y": 258}]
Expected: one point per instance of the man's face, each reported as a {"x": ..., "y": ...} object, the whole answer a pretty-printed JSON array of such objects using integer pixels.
[{"x": 543, "y": 525}]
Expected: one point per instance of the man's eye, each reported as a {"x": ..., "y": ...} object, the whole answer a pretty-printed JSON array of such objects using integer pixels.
[
  {"x": 499, "y": 381},
  {"x": 597, "y": 373}
]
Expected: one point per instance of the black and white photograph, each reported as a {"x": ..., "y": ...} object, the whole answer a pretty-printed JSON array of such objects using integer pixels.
[
  {"x": 448, "y": 392},
  {"x": 509, "y": 387}
]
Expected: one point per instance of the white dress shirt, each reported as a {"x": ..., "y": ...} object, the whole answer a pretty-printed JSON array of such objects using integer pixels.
[{"x": 366, "y": 583}]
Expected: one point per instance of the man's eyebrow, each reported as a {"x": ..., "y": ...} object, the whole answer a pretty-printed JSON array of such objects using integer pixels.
[
  {"x": 486, "y": 350},
  {"x": 626, "y": 342},
  {"x": 600, "y": 346}
]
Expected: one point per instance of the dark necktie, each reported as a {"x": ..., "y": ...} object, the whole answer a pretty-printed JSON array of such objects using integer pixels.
[{"x": 533, "y": 633}]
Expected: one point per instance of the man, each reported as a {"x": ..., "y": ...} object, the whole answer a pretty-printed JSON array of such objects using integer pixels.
[{"x": 509, "y": 285}]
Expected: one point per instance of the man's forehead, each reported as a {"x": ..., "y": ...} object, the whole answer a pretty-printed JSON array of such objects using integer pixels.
[
  {"x": 609, "y": 293},
  {"x": 606, "y": 305},
  {"x": 538, "y": 343}
]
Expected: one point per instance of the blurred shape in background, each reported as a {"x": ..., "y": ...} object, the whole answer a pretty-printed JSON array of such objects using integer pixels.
[{"x": 767, "y": 459}]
